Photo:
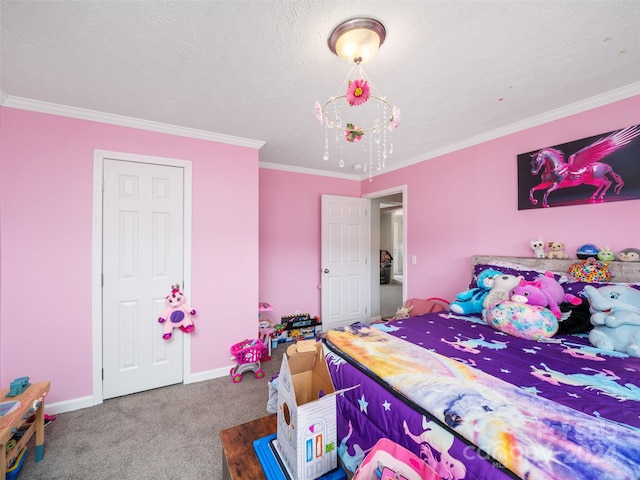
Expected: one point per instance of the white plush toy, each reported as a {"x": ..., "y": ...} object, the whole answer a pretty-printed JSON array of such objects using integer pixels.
[
  {"x": 538, "y": 248},
  {"x": 502, "y": 286}
]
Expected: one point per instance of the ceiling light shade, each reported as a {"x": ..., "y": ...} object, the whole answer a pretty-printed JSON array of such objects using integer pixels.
[
  {"x": 357, "y": 40},
  {"x": 358, "y": 112}
]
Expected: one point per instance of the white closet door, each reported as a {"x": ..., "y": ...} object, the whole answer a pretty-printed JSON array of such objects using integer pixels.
[{"x": 142, "y": 258}]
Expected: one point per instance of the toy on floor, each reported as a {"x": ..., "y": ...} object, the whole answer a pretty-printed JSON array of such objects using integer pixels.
[
  {"x": 402, "y": 312},
  {"x": 538, "y": 248},
  {"x": 544, "y": 291},
  {"x": 247, "y": 354},
  {"x": 615, "y": 315},
  {"x": 178, "y": 313},
  {"x": 266, "y": 330}
]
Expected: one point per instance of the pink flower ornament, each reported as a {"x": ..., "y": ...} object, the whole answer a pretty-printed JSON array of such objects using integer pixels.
[
  {"x": 353, "y": 133},
  {"x": 358, "y": 92}
]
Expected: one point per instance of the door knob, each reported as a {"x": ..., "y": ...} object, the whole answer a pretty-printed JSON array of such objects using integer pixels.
[{"x": 326, "y": 270}]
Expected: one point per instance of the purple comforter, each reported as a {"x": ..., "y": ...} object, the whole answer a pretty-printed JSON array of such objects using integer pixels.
[{"x": 603, "y": 385}]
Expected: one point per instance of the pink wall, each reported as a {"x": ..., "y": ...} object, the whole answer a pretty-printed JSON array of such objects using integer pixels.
[
  {"x": 465, "y": 203},
  {"x": 290, "y": 238},
  {"x": 46, "y": 226},
  {"x": 46, "y": 167}
]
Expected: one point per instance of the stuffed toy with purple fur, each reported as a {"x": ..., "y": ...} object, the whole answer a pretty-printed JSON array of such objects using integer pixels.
[{"x": 544, "y": 291}]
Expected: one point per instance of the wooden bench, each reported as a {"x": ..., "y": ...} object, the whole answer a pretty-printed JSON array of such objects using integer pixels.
[
  {"x": 31, "y": 405},
  {"x": 240, "y": 459}
]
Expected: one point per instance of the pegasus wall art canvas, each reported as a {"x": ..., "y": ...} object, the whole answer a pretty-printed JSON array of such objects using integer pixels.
[{"x": 598, "y": 169}]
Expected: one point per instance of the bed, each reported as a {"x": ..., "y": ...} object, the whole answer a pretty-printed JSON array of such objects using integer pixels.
[{"x": 476, "y": 403}]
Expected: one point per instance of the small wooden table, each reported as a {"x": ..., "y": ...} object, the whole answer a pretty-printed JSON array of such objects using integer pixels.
[
  {"x": 240, "y": 459},
  {"x": 31, "y": 403}
]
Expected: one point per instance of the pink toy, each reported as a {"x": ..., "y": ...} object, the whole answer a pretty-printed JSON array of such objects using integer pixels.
[
  {"x": 177, "y": 312},
  {"x": 544, "y": 291}
]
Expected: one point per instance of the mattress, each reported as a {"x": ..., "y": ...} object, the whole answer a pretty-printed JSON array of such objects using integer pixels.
[{"x": 476, "y": 403}]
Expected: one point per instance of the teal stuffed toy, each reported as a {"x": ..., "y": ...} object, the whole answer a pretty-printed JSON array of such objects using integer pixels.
[{"x": 470, "y": 301}]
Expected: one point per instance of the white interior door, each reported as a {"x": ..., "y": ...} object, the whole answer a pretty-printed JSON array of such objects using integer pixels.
[
  {"x": 398, "y": 241},
  {"x": 143, "y": 211},
  {"x": 346, "y": 279}
]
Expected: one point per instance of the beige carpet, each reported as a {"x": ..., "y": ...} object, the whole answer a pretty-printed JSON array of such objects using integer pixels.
[
  {"x": 390, "y": 298},
  {"x": 170, "y": 433}
]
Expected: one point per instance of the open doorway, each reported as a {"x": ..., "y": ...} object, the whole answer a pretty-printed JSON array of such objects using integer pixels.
[{"x": 388, "y": 279}]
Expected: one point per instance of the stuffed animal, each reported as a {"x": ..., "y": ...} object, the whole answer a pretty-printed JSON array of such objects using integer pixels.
[
  {"x": 532, "y": 322},
  {"x": 502, "y": 286},
  {"x": 590, "y": 270},
  {"x": 629, "y": 255},
  {"x": 606, "y": 255},
  {"x": 556, "y": 250},
  {"x": 402, "y": 312},
  {"x": 471, "y": 301},
  {"x": 615, "y": 314},
  {"x": 538, "y": 248},
  {"x": 575, "y": 319},
  {"x": 544, "y": 291},
  {"x": 177, "y": 312}
]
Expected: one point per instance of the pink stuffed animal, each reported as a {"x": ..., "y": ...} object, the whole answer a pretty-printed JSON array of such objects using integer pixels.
[
  {"x": 177, "y": 312},
  {"x": 544, "y": 291}
]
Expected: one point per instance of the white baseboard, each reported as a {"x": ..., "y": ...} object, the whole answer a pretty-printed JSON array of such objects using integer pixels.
[
  {"x": 209, "y": 374},
  {"x": 86, "y": 402},
  {"x": 70, "y": 405}
]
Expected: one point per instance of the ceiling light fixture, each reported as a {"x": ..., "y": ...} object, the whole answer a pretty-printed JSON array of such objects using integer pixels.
[{"x": 357, "y": 40}]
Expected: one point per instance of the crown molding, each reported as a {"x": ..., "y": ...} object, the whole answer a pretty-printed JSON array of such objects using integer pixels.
[
  {"x": 550, "y": 116},
  {"x": 121, "y": 120},
  {"x": 308, "y": 171},
  {"x": 556, "y": 114}
]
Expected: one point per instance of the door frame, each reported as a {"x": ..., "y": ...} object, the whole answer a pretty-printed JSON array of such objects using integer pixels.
[
  {"x": 373, "y": 244},
  {"x": 99, "y": 157}
]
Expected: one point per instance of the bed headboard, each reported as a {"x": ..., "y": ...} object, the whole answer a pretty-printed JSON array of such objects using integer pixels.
[{"x": 623, "y": 272}]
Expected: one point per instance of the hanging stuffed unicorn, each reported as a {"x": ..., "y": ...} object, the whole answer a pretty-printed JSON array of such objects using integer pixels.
[{"x": 177, "y": 312}]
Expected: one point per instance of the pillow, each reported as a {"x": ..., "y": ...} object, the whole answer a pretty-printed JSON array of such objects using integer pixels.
[
  {"x": 514, "y": 269},
  {"x": 531, "y": 322},
  {"x": 590, "y": 270},
  {"x": 420, "y": 307}
]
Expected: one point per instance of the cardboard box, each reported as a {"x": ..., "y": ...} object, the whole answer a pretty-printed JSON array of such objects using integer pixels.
[{"x": 307, "y": 431}]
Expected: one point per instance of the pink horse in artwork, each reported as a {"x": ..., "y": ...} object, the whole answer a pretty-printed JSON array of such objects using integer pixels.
[{"x": 583, "y": 167}]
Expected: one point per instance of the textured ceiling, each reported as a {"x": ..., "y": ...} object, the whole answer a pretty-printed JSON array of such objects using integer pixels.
[{"x": 458, "y": 70}]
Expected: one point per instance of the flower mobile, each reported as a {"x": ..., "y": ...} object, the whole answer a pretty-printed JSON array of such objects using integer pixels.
[{"x": 373, "y": 122}]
